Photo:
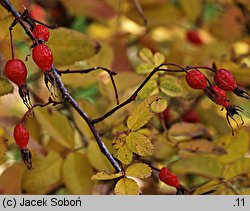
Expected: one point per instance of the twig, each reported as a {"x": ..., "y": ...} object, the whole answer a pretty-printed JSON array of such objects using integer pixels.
[
  {"x": 110, "y": 72},
  {"x": 134, "y": 95},
  {"x": 140, "y": 11}
]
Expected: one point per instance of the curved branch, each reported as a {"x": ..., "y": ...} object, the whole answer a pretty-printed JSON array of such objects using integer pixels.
[
  {"x": 110, "y": 72},
  {"x": 134, "y": 95}
]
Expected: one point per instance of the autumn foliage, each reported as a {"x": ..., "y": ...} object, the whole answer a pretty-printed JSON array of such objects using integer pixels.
[{"x": 164, "y": 96}]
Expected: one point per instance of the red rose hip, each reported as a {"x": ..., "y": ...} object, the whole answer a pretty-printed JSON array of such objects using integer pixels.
[
  {"x": 196, "y": 79},
  {"x": 41, "y": 32},
  {"x": 43, "y": 57},
  {"x": 225, "y": 80},
  {"x": 16, "y": 71},
  {"x": 168, "y": 178},
  {"x": 193, "y": 36},
  {"x": 21, "y": 135}
]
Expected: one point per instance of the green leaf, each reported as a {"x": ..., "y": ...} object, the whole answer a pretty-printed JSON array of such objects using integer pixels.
[
  {"x": 126, "y": 186},
  {"x": 45, "y": 176},
  {"x": 69, "y": 46},
  {"x": 185, "y": 131},
  {"x": 146, "y": 55},
  {"x": 97, "y": 159},
  {"x": 57, "y": 125},
  {"x": 139, "y": 144},
  {"x": 105, "y": 176},
  {"x": 77, "y": 173},
  {"x": 199, "y": 165},
  {"x": 142, "y": 113},
  {"x": 139, "y": 170},
  {"x": 5, "y": 87},
  {"x": 239, "y": 167},
  {"x": 124, "y": 154},
  {"x": 236, "y": 146},
  {"x": 170, "y": 86}
]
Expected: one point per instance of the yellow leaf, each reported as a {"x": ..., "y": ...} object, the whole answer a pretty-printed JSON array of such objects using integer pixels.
[
  {"x": 77, "y": 173},
  {"x": 139, "y": 144},
  {"x": 236, "y": 146},
  {"x": 149, "y": 89},
  {"x": 3, "y": 146},
  {"x": 159, "y": 105},
  {"x": 97, "y": 159},
  {"x": 11, "y": 178},
  {"x": 142, "y": 113},
  {"x": 192, "y": 8},
  {"x": 119, "y": 141},
  {"x": 202, "y": 146},
  {"x": 45, "y": 176},
  {"x": 156, "y": 14},
  {"x": 158, "y": 59},
  {"x": 161, "y": 149},
  {"x": 144, "y": 68},
  {"x": 57, "y": 125},
  {"x": 5, "y": 87},
  {"x": 140, "y": 170},
  {"x": 69, "y": 46},
  {"x": 105, "y": 176},
  {"x": 245, "y": 192},
  {"x": 199, "y": 165},
  {"x": 210, "y": 186},
  {"x": 146, "y": 55},
  {"x": 93, "y": 8},
  {"x": 185, "y": 131},
  {"x": 240, "y": 166},
  {"x": 170, "y": 86},
  {"x": 126, "y": 186},
  {"x": 124, "y": 154}
]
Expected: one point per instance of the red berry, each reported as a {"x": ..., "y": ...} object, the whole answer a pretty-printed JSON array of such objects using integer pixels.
[
  {"x": 41, "y": 32},
  {"x": 43, "y": 57},
  {"x": 225, "y": 80},
  {"x": 193, "y": 36},
  {"x": 21, "y": 135},
  {"x": 196, "y": 79},
  {"x": 16, "y": 71},
  {"x": 191, "y": 116},
  {"x": 167, "y": 177},
  {"x": 221, "y": 97}
]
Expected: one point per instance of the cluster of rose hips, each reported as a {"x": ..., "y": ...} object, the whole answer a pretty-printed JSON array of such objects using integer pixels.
[
  {"x": 225, "y": 81},
  {"x": 16, "y": 72}
]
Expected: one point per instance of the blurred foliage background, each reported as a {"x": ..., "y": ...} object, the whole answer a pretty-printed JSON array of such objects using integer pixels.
[{"x": 189, "y": 133}]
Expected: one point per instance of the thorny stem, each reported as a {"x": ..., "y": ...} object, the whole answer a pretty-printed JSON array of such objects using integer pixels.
[
  {"x": 66, "y": 96},
  {"x": 110, "y": 72}
]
